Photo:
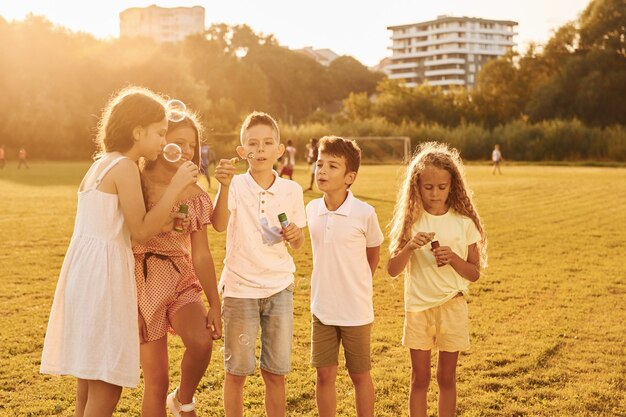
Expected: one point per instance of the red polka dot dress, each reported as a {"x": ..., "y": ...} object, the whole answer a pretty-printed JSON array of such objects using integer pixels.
[{"x": 164, "y": 273}]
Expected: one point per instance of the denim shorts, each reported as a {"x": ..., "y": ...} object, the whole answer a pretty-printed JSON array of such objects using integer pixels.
[{"x": 242, "y": 319}]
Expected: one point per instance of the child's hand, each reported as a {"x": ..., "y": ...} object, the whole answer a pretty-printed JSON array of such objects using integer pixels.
[
  {"x": 186, "y": 175},
  {"x": 419, "y": 240},
  {"x": 169, "y": 224},
  {"x": 143, "y": 330},
  {"x": 224, "y": 172},
  {"x": 443, "y": 255},
  {"x": 291, "y": 233},
  {"x": 214, "y": 322}
]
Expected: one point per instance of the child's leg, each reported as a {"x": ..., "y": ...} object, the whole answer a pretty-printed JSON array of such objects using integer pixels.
[
  {"x": 155, "y": 365},
  {"x": 233, "y": 395},
  {"x": 446, "y": 379},
  {"x": 190, "y": 323},
  {"x": 363, "y": 393},
  {"x": 325, "y": 391},
  {"x": 102, "y": 398},
  {"x": 420, "y": 378},
  {"x": 356, "y": 342},
  {"x": 276, "y": 337},
  {"x": 241, "y": 326},
  {"x": 82, "y": 387},
  {"x": 275, "y": 398}
]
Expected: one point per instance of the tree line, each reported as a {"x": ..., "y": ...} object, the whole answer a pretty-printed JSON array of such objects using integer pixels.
[{"x": 55, "y": 82}]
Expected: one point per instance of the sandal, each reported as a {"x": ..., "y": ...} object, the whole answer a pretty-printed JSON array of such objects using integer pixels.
[{"x": 176, "y": 407}]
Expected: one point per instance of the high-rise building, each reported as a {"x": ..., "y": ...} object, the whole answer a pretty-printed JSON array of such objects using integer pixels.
[
  {"x": 161, "y": 24},
  {"x": 447, "y": 51}
]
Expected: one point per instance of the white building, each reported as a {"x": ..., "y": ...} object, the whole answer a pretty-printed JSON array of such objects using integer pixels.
[
  {"x": 161, "y": 24},
  {"x": 323, "y": 56},
  {"x": 447, "y": 51}
]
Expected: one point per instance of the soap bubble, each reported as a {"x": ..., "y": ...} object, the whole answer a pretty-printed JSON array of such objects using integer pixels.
[
  {"x": 176, "y": 110},
  {"x": 225, "y": 353},
  {"x": 244, "y": 339},
  {"x": 172, "y": 152}
]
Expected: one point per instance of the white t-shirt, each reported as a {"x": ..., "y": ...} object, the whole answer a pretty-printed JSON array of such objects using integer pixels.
[
  {"x": 341, "y": 282},
  {"x": 496, "y": 155},
  {"x": 291, "y": 155},
  {"x": 257, "y": 263},
  {"x": 425, "y": 284}
]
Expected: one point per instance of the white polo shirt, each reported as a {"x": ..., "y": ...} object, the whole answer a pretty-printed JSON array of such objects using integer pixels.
[
  {"x": 341, "y": 282},
  {"x": 257, "y": 263}
]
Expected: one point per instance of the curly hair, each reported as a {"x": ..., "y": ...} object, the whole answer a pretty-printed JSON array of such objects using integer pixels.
[{"x": 409, "y": 206}]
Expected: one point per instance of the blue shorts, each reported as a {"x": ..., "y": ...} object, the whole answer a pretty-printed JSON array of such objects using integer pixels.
[{"x": 242, "y": 319}]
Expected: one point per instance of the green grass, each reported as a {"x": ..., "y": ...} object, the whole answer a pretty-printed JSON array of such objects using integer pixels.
[{"x": 547, "y": 317}]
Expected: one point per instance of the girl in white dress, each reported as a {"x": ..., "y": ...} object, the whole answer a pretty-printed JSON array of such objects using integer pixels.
[{"x": 93, "y": 328}]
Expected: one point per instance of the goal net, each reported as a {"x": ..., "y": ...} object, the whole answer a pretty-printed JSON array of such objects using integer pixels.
[{"x": 384, "y": 149}]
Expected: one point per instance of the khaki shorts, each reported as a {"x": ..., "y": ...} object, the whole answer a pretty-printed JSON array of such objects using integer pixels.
[
  {"x": 445, "y": 327},
  {"x": 325, "y": 341}
]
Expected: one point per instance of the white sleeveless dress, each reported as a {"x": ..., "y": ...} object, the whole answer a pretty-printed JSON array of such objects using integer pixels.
[{"x": 93, "y": 332}]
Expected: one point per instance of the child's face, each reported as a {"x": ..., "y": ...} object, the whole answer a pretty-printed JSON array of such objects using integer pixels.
[
  {"x": 331, "y": 173},
  {"x": 434, "y": 188},
  {"x": 151, "y": 139},
  {"x": 261, "y": 141},
  {"x": 185, "y": 137}
]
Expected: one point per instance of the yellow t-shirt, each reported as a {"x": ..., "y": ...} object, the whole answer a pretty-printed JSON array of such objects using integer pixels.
[{"x": 425, "y": 284}]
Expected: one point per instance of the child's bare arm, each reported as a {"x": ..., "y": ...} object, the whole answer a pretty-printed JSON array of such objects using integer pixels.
[
  {"x": 293, "y": 235},
  {"x": 468, "y": 269},
  {"x": 398, "y": 260},
  {"x": 373, "y": 257},
  {"x": 205, "y": 271},
  {"x": 143, "y": 225},
  {"x": 224, "y": 173}
]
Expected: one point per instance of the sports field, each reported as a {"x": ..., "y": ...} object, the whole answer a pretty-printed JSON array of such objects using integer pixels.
[{"x": 548, "y": 317}]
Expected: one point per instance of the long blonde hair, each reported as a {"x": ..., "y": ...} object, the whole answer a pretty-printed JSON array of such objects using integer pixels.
[{"x": 409, "y": 206}]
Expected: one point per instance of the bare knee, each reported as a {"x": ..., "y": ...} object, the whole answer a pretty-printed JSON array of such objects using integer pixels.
[
  {"x": 156, "y": 384},
  {"x": 446, "y": 379},
  {"x": 272, "y": 379},
  {"x": 326, "y": 375},
  {"x": 200, "y": 345},
  {"x": 236, "y": 381},
  {"x": 420, "y": 379},
  {"x": 360, "y": 378}
]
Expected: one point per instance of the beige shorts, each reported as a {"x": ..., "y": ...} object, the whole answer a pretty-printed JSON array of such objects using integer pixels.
[
  {"x": 445, "y": 327},
  {"x": 356, "y": 341}
]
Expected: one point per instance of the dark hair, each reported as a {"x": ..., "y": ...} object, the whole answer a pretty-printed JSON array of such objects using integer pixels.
[
  {"x": 347, "y": 148},
  {"x": 191, "y": 120},
  {"x": 129, "y": 108},
  {"x": 259, "y": 118}
]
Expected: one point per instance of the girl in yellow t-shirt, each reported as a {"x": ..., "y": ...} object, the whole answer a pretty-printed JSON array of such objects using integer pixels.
[{"x": 435, "y": 206}]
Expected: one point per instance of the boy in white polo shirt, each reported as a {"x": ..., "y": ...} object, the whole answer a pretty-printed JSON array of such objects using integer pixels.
[
  {"x": 346, "y": 240},
  {"x": 257, "y": 279}
]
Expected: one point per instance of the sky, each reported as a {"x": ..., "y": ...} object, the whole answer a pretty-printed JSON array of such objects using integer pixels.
[{"x": 348, "y": 27}]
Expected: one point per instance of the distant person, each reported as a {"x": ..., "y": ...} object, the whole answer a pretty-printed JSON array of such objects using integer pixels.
[
  {"x": 2, "y": 157},
  {"x": 92, "y": 333},
  {"x": 21, "y": 156},
  {"x": 311, "y": 159},
  {"x": 207, "y": 158},
  {"x": 346, "y": 239},
  {"x": 496, "y": 158},
  {"x": 289, "y": 160},
  {"x": 435, "y": 206},
  {"x": 172, "y": 270}
]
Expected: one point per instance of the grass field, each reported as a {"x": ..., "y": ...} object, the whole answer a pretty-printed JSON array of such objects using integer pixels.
[{"x": 548, "y": 317}]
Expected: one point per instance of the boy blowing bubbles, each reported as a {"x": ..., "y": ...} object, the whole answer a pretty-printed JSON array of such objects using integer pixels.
[{"x": 257, "y": 279}]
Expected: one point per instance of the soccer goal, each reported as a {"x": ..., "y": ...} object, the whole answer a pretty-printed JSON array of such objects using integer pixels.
[{"x": 384, "y": 149}]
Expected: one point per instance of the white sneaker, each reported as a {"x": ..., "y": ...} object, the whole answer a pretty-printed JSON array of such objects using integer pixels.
[{"x": 176, "y": 407}]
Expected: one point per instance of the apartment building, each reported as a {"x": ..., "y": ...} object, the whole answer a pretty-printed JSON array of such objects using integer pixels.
[
  {"x": 162, "y": 24},
  {"x": 448, "y": 51}
]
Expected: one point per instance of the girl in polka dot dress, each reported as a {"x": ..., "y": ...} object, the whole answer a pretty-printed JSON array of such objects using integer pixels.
[{"x": 171, "y": 271}]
